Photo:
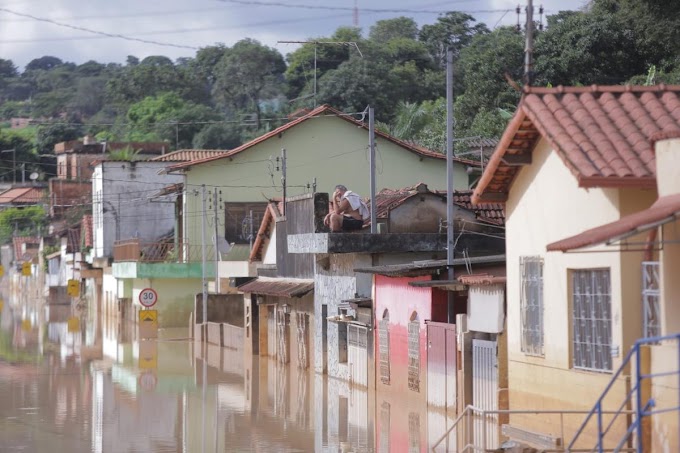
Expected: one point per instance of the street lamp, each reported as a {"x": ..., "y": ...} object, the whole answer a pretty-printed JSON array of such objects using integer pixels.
[{"x": 14, "y": 162}]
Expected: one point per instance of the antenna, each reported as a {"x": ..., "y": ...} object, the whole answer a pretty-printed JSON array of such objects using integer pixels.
[
  {"x": 356, "y": 14},
  {"x": 529, "y": 48},
  {"x": 316, "y": 43}
]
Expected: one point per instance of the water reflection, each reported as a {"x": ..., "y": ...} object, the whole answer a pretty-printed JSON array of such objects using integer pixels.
[{"x": 102, "y": 389}]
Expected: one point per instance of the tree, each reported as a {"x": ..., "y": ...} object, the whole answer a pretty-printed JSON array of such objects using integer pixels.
[
  {"x": 218, "y": 136},
  {"x": 7, "y": 69},
  {"x": 51, "y": 134},
  {"x": 248, "y": 74},
  {"x": 586, "y": 48},
  {"x": 453, "y": 29},
  {"x": 45, "y": 63},
  {"x": 23, "y": 153},
  {"x": 384, "y": 31},
  {"x": 26, "y": 221}
]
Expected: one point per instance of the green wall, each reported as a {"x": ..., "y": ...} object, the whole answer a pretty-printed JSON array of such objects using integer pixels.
[{"x": 329, "y": 149}]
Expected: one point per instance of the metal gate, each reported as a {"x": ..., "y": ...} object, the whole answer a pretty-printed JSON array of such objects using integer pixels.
[
  {"x": 271, "y": 331},
  {"x": 358, "y": 354},
  {"x": 485, "y": 391},
  {"x": 302, "y": 323},
  {"x": 442, "y": 365},
  {"x": 282, "y": 332}
]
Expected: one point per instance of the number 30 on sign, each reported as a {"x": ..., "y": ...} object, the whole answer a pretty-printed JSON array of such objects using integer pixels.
[{"x": 148, "y": 297}]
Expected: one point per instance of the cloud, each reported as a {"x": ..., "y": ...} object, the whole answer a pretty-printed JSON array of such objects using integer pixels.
[{"x": 198, "y": 24}]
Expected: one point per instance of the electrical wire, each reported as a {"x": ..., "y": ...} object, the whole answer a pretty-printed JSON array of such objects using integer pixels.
[{"x": 97, "y": 32}]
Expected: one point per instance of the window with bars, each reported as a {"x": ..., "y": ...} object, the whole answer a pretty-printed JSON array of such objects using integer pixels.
[
  {"x": 531, "y": 304},
  {"x": 414, "y": 354},
  {"x": 592, "y": 319},
  {"x": 384, "y": 349}
]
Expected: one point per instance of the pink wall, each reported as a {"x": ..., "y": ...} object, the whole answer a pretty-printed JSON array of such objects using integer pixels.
[{"x": 401, "y": 300}]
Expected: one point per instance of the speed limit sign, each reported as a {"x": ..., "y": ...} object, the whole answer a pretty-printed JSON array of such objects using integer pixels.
[{"x": 148, "y": 297}]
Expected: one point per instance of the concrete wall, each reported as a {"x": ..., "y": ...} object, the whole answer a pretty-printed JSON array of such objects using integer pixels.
[
  {"x": 222, "y": 308},
  {"x": 333, "y": 283},
  {"x": 122, "y": 190},
  {"x": 545, "y": 205},
  {"x": 327, "y": 148},
  {"x": 175, "y": 299},
  {"x": 424, "y": 214}
]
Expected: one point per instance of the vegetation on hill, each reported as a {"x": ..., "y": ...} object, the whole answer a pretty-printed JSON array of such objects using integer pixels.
[{"x": 225, "y": 95}]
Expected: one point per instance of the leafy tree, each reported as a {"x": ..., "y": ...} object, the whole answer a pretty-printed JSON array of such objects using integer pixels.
[
  {"x": 45, "y": 63},
  {"x": 22, "y": 221},
  {"x": 218, "y": 136},
  {"x": 248, "y": 74},
  {"x": 586, "y": 48},
  {"x": 51, "y": 134},
  {"x": 7, "y": 69},
  {"x": 23, "y": 153},
  {"x": 168, "y": 117},
  {"x": 453, "y": 29},
  {"x": 384, "y": 31}
]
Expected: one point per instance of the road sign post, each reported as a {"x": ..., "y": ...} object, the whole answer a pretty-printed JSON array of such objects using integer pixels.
[{"x": 148, "y": 297}]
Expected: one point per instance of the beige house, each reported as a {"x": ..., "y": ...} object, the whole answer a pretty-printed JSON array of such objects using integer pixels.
[{"x": 573, "y": 159}]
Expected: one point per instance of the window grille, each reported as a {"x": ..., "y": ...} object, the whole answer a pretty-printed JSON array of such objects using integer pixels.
[
  {"x": 592, "y": 319},
  {"x": 650, "y": 298},
  {"x": 414, "y": 356},
  {"x": 384, "y": 350},
  {"x": 302, "y": 342},
  {"x": 531, "y": 304}
]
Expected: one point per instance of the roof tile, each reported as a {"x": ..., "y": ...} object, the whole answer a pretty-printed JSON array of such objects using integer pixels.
[{"x": 602, "y": 133}]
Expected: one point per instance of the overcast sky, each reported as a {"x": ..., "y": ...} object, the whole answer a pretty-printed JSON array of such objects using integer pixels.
[{"x": 200, "y": 23}]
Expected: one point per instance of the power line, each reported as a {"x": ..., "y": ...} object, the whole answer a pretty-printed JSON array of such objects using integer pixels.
[
  {"x": 351, "y": 8},
  {"x": 97, "y": 32}
]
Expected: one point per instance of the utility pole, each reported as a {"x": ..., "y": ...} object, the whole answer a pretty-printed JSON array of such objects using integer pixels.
[
  {"x": 14, "y": 162},
  {"x": 204, "y": 283},
  {"x": 283, "y": 177},
  {"x": 23, "y": 173},
  {"x": 529, "y": 47},
  {"x": 371, "y": 145},
  {"x": 217, "y": 251},
  {"x": 449, "y": 176}
]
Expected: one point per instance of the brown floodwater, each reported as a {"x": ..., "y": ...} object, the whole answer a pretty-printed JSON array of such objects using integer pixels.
[{"x": 96, "y": 387}]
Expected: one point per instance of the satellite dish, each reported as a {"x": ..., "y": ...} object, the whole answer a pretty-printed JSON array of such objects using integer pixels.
[{"x": 34, "y": 176}]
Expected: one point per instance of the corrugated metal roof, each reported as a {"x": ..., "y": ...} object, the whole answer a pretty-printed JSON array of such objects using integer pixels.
[
  {"x": 281, "y": 287},
  {"x": 482, "y": 279},
  {"x": 428, "y": 267}
]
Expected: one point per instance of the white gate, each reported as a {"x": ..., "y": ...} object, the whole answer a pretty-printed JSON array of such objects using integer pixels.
[
  {"x": 485, "y": 391},
  {"x": 271, "y": 331},
  {"x": 358, "y": 356}
]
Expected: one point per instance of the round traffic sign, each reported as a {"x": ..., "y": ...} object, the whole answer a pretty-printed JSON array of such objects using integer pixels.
[{"x": 148, "y": 297}]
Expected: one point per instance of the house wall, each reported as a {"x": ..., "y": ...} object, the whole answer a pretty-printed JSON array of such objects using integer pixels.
[
  {"x": 424, "y": 214},
  {"x": 175, "y": 298},
  {"x": 334, "y": 281},
  {"x": 326, "y": 148},
  {"x": 545, "y": 205},
  {"x": 401, "y": 300},
  {"x": 122, "y": 189}
]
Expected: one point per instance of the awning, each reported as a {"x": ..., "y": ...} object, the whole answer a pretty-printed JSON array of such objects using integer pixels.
[
  {"x": 281, "y": 287},
  {"x": 482, "y": 279},
  {"x": 428, "y": 267},
  {"x": 664, "y": 210},
  {"x": 172, "y": 189}
]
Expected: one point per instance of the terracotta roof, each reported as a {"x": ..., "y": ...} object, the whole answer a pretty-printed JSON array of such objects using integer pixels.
[
  {"x": 665, "y": 209},
  {"x": 19, "y": 241},
  {"x": 427, "y": 267},
  {"x": 321, "y": 110},
  {"x": 281, "y": 287},
  {"x": 187, "y": 155},
  {"x": 388, "y": 199},
  {"x": 603, "y": 134},
  {"x": 264, "y": 232},
  {"x": 23, "y": 195}
]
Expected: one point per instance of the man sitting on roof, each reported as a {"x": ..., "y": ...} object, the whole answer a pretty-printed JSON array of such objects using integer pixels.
[{"x": 347, "y": 212}]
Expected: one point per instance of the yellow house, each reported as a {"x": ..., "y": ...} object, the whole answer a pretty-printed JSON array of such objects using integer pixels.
[{"x": 573, "y": 159}]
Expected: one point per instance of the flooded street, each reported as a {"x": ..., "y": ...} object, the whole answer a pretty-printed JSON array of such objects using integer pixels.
[{"x": 96, "y": 387}]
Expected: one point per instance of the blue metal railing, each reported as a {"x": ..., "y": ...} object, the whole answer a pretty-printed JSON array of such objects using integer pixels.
[{"x": 642, "y": 408}]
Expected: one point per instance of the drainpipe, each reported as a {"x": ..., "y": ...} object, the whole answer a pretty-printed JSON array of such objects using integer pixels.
[{"x": 649, "y": 247}]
